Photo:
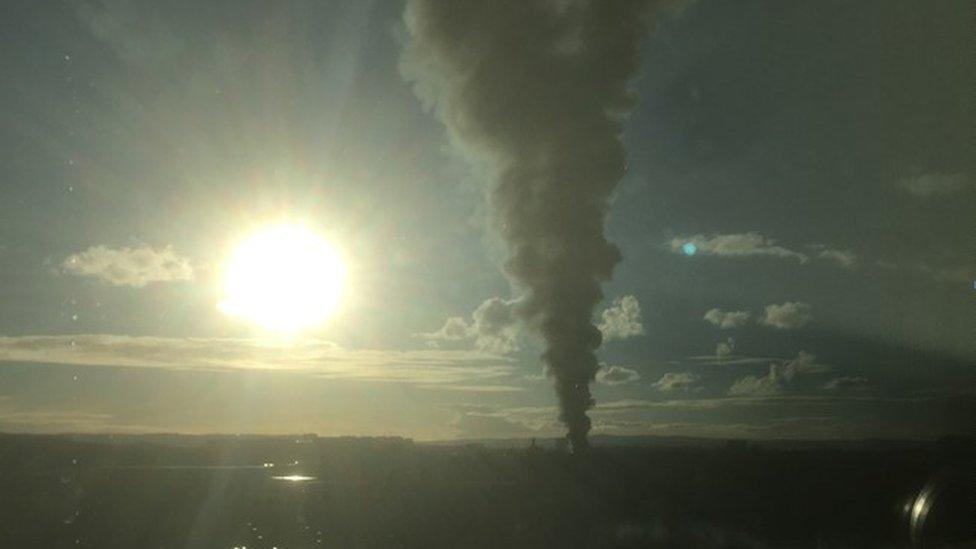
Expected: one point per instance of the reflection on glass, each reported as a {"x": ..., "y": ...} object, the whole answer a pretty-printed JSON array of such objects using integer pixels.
[{"x": 294, "y": 478}]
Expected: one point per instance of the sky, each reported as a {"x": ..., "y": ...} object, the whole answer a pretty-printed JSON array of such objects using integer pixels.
[{"x": 795, "y": 222}]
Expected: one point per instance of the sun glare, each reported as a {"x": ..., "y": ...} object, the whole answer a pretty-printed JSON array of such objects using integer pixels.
[{"x": 284, "y": 278}]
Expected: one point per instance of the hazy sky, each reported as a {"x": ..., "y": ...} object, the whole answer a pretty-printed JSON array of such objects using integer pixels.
[{"x": 796, "y": 224}]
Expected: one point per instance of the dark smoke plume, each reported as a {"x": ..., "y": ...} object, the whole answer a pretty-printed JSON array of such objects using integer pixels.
[{"x": 538, "y": 90}]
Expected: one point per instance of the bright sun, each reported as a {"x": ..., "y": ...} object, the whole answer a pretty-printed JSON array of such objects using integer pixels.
[{"x": 284, "y": 278}]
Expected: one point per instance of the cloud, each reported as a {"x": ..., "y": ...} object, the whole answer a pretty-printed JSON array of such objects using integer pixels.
[
  {"x": 844, "y": 258},
  {"x": 724, "y": 349},
  {"x": 712, "y": 360},
  {"x": 936, "y": 184},
  {"x": 786, "y": 316},
  {"x": 781, "y": 377},
  {"x": 845, "y": 382},
  {"x": 65, "y": 421},
  {"x": 494, "y": 327},
  {"x": 616, "y": 375},
  {"x": 313, "y": 357},
  {"x": 734, "y": 245},
  {"x": 727, "y": 319},
  {"x": 950, "y": 274},
  {"x": 622, "y": 319},
  {"x": 135, "y": 267},
  {"x": 672, "y": 381}
]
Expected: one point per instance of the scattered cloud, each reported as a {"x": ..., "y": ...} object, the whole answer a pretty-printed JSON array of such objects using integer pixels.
[
  {"x": 313, "y": 357},
  {"x": 494, "y": 327},
  {"x": 936, "y": 184},
  {"x": 672, "y": 381},
  {"x": 724, "y": 349},
  {"x": 786, "y": 316},
  {"x": 844, "y": 258},
  {"x": 622, "y": 319},
  {"x": 727, "y": 319},
  {"x": 616, "y": 375},
  {"x": 733, "y": 245},
  {"x": 135, "y": 267},
  {"x": 780, "y": 378},
  {"x": 946, "y": 274}
]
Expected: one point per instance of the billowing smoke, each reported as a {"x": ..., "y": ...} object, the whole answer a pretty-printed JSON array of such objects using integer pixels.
[{"x": 537, "y": 90}]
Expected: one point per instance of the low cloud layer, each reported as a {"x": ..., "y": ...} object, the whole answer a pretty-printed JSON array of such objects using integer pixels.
[
  {"x": 134, "y": 267},
  {"x": 622, "y": 319},
  {"x": 616, "y": 375},
  {"x": 936, "y": 184},
  {"x": 749, "y": 244},
  {"x": 314, "y": 357},
  {"x": 727, "y": 319},
  {"x": 786, "y": 316}
]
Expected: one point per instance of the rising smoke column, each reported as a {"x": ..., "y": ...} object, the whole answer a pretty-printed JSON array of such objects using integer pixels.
[{"x": 537, "y": 90}]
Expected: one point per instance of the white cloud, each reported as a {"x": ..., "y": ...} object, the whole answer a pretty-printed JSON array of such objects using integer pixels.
[
  {"x": 936, "y": 184},
  {"x": 845, "y": 258},
  {"x": 727, "y": 319},
  {"x": 734, "y": 245},
  {"x": 724, "y": 349},
  {"x": 786, "y": 316},
  {"x": 780, "y": 378},
  {"x": 673, "y": 381},
  {"x": 616, "y": 375},
  {"x": 622, "y": 319},
  {"x": 494, "y": 327},
  {"x": 133, "y": 267},
  {"x": 313, "y": 357},
  {"x": 454, "y": 329}
]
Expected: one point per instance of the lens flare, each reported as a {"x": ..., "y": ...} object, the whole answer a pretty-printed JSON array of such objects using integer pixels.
[{"x": 284, "y": 278}]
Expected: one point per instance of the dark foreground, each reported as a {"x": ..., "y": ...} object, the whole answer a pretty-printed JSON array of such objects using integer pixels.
[{"x": 156, "y": 492}]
